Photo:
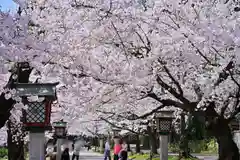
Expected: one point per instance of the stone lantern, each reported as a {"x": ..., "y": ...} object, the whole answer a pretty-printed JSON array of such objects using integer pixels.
[
  {"x": 37, "y": 115},
  {"x": 60, "y": 132},
  {"x": 164, "y": 124},
  {"x": 116, "y": 131},
  {"x": 36, "y": 118},
  {"x": 60, "y": 129}
]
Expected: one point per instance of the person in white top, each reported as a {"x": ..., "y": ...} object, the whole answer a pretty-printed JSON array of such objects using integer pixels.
[
  {"x": 107, "y": 150},
  {"x": 76, "y": 149}
]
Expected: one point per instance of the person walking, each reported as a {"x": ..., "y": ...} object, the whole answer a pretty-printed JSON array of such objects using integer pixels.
[
  {"x": 107, "y": 150},
  {"x": 65, "y": 154},
  {"x": 123, "y": 155},
  {"x": 117, "y": 148},
  {"x": 76, "y": 150}
]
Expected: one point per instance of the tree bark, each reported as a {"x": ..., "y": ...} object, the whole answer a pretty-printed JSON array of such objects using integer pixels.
[
  {"x": 15, "y": 146},
  {"x": 7, "y": 104},
  {"x": 138, "y": 149},
  {"x": 184, "y": 148},
  {"x": 152, "y": 139},
  {"x": 219, "y": 127}
]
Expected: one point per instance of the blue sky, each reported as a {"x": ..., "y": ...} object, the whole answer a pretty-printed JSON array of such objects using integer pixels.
[{"x": 7, "y": 5}]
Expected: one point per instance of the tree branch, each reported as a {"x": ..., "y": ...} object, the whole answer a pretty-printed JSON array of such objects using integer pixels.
[
  {"x": 236, "y": 105},
  {"x": 118, "y": 127},
  {"x": 225, "y": 73},
  {"x": 198, "y": 92},
  {"x": 84, "y": 74},
  {"x": 172, "y": 91},
  {"x": 172, "y": 78}
]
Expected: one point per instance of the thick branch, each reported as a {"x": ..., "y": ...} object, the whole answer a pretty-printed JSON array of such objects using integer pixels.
[
  {"x": 225, "y": 73},
  {"x": 172, "y": 78},
  {"x": 84, "y": 74},
  {"x": 7, "y": 104},
  {"x": 198, "y": 92},
  {"x": 118, "y": 127},
  {"x": 172, "y": 90},
  {"x": 149, "y": 113},
  {"x": 236, "y": 105},
  {"x": 133, "y": 116}
]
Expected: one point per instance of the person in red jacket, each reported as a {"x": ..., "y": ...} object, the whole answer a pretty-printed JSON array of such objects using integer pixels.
[{"x": 117, "y": 148}]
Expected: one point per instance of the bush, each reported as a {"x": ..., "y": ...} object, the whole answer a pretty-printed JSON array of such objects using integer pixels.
[
  {"x": 174, "y": 148},
  {"x": 3, "y": 152},
  {"x": 199, "y": 146}
]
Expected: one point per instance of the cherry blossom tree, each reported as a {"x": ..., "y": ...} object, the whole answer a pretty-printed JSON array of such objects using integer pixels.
[{"x": 182, "y": 54}]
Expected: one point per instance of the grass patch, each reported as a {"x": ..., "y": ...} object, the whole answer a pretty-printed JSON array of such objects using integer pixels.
[{"x": 156, "y": 157}]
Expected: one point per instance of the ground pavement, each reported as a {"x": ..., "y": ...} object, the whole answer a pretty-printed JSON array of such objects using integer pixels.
[
  {"x": 90, "y": 155},
  {"x": 87, "y": 155}
]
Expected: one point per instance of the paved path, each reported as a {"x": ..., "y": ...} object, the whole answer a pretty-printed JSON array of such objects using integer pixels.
[{"x": 89, "y": 155}]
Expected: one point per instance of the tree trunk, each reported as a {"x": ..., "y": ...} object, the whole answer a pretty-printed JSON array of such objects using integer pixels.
[
  {"x": 152, "y": 139},
  {"x": 227, "y": 148},
  {"x": 138, "y": 149},
  {"x": 219, "y": 128},
  {"x": 7, "y": 104},
  {"x": 184, "y": 148},
  {"x": 128, "y": 146},
  {"x": 15, "y": 145}
]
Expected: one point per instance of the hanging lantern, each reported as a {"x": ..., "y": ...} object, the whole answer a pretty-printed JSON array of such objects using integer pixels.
[
  {"x": 38, "y": 114},
  {"x": 164, "y": 121}
]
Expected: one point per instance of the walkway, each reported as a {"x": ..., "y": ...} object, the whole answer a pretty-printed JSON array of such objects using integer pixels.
[{"x": 89, "y": 155}]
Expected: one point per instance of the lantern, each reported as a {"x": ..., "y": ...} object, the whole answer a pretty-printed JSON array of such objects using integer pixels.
[
  {"x": 234, "y": 125},
  {"x": 164, "y": 121},
  {"x": 116, "y": 131},
  {"x": 38, "y": 114},
  {"x": 60, "y": 128}
]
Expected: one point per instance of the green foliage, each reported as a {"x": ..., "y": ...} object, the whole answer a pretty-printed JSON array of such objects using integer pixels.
[
  {"x": 173, "y": 147},
  {"x": 146, "y": 157},
  {"x": 3, "y": 152},
  {"x": 212, "y": 147},
  {"x": 198, "y": 146}
]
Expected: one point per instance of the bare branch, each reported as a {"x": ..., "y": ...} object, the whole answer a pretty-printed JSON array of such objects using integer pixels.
[
  {"x": 150, "y": 113},
  {"x": 84, "y": 74},
  {"x": 199, "y": 51},
  {"x": 236, "y": 105},
  {"x": 198, "y": 92},
  {"x": 120, "y": 38},
  {"x": 187, "y": 37},
  {"x": 225, "y": 73},
  {"x": 116, "y": 126},
  {"x": 172, "y": 90},
  {"x": 225, "y": 105},
  {"x": 171, "y": 77},
  {"x": 132, "y": 116}
]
